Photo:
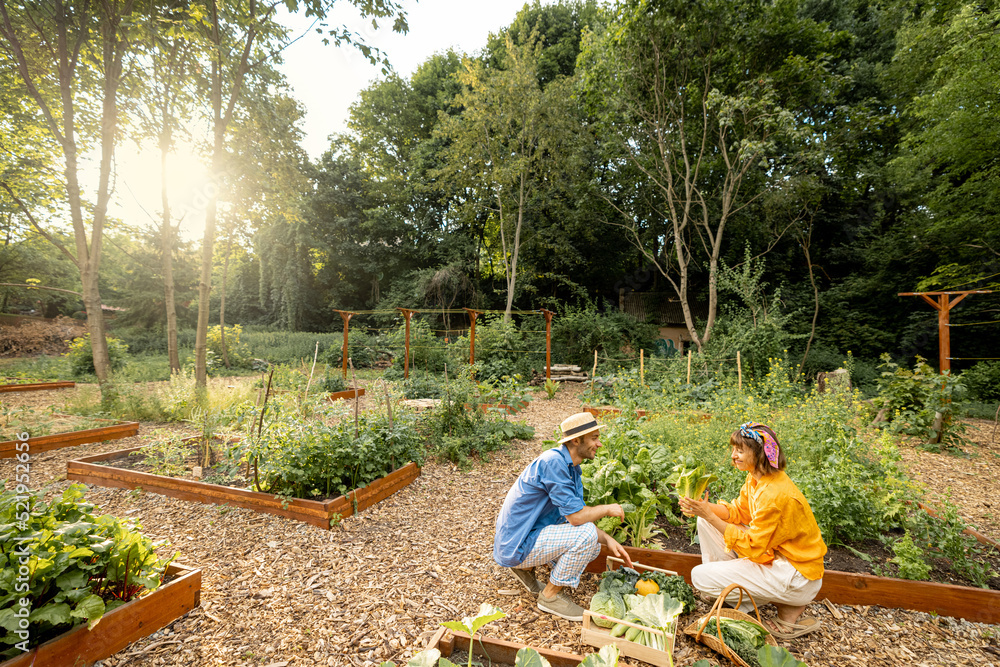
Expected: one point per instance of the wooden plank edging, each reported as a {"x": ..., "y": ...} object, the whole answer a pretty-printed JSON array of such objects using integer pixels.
[
  {"x": 120, "y": 627},
  {"x": 36, "y": 386},
  {"x": 973, "y": 604},
  {"x": 89, "y": 470},
  {"x": 44, "y": 443},
  {"x": 498, "y": 650}
]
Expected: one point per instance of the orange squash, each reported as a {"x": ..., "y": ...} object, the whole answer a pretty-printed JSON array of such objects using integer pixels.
[{"x": 646, "y": 587}]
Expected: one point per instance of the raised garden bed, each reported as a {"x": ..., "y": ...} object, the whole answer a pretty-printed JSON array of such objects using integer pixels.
[
  {"x": 113, "y": 431},
  {"x": 973, "y": 604},
  {"x": 320, "y": 513},
  {"x": 32, "y": 385},
  {"x": 497, "y": 651},
  {"x": 82, "y": 647},
  {"x": 347, "y": 394}
]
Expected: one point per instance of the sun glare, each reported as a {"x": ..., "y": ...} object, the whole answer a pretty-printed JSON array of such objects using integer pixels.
[{"x": 188, "y": 188}]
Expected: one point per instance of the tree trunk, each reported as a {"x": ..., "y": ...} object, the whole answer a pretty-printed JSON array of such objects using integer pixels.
[
  {"x": 220, "y": 122},
  {"x": 812, "y": 281},
  {"x": 222, "y": 302},
  {"x": 167, "y": 252}
]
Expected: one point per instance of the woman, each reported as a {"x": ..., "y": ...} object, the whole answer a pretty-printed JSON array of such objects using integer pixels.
[{"x": 767, "y": 540}]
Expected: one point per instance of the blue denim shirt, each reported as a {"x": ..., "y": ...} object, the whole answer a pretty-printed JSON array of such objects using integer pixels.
[{"x": 545, "y": 493}]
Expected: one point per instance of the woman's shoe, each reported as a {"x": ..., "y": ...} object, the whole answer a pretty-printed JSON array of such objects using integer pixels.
[{"x": 785, "y": 630}]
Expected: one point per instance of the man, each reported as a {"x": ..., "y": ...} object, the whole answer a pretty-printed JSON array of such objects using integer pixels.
[{"x": 544, "y": 520}]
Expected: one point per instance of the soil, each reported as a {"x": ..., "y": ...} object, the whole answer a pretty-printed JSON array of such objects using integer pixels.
[{"x": 280, "y": 593}]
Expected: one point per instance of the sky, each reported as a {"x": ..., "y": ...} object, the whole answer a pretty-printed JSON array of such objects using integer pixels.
[{"x": 326, "y": 80}]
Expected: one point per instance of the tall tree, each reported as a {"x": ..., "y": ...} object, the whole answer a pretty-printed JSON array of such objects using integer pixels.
[
  {"x": 509, "y": 128},
  {"x": 70, "y": 57},
  {"x": 251, "y": 33},
  {"x": 686, "y": 97},
  {"x": 171, "y": 56}
]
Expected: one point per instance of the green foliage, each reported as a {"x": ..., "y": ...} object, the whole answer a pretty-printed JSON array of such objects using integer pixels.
[
  {"x": 913, "y": 397},
  {"x": 910, "y": 559},
  {"x": 324, "y": 456},
  {"x": 81, "y": 355},
  {"x": 982, "y": 381},
  {"x": 459, "y": 427},
  {"x": 690, "y": 482},
  {"x": 164, "y": 453},
  {"x": 551, "y": 388},
  {"x": 942, "y": 536},
  {"x": 238, "y": 352},
  {"x": 630, "y": 472},
  {"x": 614, "y": 334},
  {"x": 72, "y": 565}
]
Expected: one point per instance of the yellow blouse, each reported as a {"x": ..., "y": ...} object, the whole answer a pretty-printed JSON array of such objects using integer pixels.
[{"x": 780, "y": 520}]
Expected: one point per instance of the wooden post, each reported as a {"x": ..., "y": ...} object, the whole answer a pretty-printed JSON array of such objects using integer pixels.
[
  {"x": 689, "y": 367},
  {"x": 346, "y": 315},
  {"x": 739, "y": 372},
  {"x": 407, "y": 313},
  {"x": 548, "y": 343},
  {"x": 592, "y": 374},
  {"x": 472, "y": 334},
  {"x": 943, "y": 305},
  {"x": 642, "y": 367}
]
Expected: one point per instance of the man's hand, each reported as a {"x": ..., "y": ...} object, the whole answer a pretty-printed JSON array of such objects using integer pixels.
[
  {"x": 613, "y": 546},
  {"x": 614, "y": 510}
]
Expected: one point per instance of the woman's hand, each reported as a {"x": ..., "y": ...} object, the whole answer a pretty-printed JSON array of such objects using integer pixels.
[{"x": 697, "y": 507}]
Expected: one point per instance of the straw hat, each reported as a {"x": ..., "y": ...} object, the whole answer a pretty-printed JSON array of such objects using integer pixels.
[{"x": 576, "y": 425}]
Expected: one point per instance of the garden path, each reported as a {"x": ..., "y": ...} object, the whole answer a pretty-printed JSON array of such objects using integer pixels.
[{"x": 279, "y": 593}]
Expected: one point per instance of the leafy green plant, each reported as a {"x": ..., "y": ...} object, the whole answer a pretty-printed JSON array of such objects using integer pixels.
[
  {"x": 910, "y": 559},
  {"x": 551, "y": 388},
  {"x": 164, "y": 453},
  {"x": 912, "y": 398},
  {"x": 326, "y": 454},
  {"x": 72, "y": 565},
  {"x": 81, "y": 355}
]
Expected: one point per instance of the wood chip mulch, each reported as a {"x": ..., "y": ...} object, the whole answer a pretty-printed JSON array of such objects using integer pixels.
[{"x": 278, "y": 593}]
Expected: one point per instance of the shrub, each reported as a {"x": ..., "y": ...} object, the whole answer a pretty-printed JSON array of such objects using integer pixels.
[
  {"x": 983, "y": 381},
  {"x": 81, "y": 355},
  {"x": 237, "y": 351},
  {"x": 576, "y": 334},
  {"x": 912, "y": 398}
]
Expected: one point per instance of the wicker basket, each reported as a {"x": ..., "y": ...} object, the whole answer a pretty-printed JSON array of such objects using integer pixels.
[{"x": 696, "y": 628}]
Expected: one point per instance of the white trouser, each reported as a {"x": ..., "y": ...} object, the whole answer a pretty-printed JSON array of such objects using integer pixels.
[{"x": 777, "y": 581}]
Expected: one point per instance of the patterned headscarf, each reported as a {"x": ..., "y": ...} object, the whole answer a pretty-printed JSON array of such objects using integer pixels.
[{"x": 762, "y": 437}]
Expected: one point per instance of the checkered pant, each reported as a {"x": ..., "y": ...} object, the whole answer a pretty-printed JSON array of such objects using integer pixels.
[{"x": 567, "y": 548}]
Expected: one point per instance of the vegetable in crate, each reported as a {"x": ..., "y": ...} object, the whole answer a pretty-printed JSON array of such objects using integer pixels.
[
  {"x": 608, "y": 603},
  {"x": 743, "y": 637},
  {"x": 621, "y": 581},
  {"x": 675, "y": 587},
  {"x": 690, "y": 482}
]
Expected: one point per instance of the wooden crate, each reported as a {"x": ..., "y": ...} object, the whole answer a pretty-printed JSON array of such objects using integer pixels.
[
  {"x": 595, "y": 635},
  {"x": 598, "y": 636}
]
